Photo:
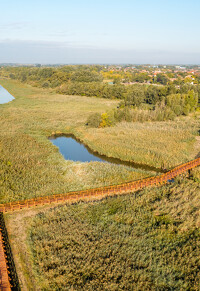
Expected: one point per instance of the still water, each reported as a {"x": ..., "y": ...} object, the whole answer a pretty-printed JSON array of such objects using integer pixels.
[
  {"x": 73, "y": 149},
  {"x": 5, "y": 96}
]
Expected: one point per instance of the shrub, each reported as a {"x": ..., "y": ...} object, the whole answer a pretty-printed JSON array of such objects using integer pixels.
[
  {"x": 106, "y": 120},
  {"x": 45, "y": 84},
  {"x": 94, "y": 120},
  {"x": 123, "y": 114}
]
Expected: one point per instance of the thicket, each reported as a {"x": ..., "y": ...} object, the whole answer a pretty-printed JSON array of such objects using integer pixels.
[
  {"x": 143, "y": 241},
  {"x": 141, "y": 103},
  {"x": 52, "y": 77},
  {"x": 162, "y": 102},
  {"x": 174, "y": 105},
  {"x": 109, "y": 118}
]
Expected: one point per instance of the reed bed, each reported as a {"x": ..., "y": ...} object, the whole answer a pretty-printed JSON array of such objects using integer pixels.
[
  {"x": 147, "y": 240},
  {"x": 159, "y": 144},
  {"x": 30, "y": 165}
]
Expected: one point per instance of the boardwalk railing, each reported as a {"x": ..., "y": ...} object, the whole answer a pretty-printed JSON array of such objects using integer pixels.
[
  {"x": 101, "y": 192},
  {"x": 4, "y": 273},
  {"x": 8, "y": 261}
]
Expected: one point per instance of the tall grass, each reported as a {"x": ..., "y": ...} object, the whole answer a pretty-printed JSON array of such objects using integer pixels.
[
  {"x": 159, "y": 144},
  {"x": 30, "y": 165},
  {"x": 143, "y": 241}
]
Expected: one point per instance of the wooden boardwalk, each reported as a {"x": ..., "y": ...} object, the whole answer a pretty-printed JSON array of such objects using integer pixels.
[
  {"x": 81, "y": 195},
  {"x": 101, "y": 192},
  {"x": 4, "y": 276}
]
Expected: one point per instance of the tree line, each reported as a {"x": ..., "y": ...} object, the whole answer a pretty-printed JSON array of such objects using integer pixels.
[{"x": 153, "y": 102}]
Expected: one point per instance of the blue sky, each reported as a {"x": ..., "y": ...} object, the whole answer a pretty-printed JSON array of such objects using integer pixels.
[{"x": 112, "y": 31}]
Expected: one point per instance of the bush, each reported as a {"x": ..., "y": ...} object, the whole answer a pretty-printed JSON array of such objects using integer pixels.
[
  {"x": 123, "y": 114},
  {"x": 46, "y": 84},
  {"x": 106, "y": 120},
  {"x": 94, "y": 120}
]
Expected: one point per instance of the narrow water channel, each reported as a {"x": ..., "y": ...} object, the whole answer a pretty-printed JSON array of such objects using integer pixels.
[
  {"x": 5, "y": 96},
  {"x": 72, "y": 149}
]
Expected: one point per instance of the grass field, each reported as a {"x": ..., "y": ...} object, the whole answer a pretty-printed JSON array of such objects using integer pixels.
[
  {"x": 31, "y": 166},
  {"x": 147, "y": 240}
]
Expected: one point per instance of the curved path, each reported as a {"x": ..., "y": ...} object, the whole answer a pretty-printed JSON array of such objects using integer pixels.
[
  {"x": 81, "y": 195},
  {"x": 101, "y": 192}
]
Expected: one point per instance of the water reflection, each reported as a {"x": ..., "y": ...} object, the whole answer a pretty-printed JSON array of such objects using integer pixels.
[{"x": 74, "y": 150}]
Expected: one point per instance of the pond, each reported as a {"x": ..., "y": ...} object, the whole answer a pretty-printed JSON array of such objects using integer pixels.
[
  {"x": 5, "y": 96},
  {"x": 72, "y": 149}
]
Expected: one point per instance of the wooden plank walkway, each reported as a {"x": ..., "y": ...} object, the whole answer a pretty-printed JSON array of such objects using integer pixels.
[
  {"x": 81, "y": 195},
  {"x": 4, "y": 276},
  {"x": 101, "y": 192}
]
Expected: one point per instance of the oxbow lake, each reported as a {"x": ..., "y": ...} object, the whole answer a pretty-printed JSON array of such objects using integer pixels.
[
  {"x": 5, "y": 96},
  {"x": 72, "y": 149}
]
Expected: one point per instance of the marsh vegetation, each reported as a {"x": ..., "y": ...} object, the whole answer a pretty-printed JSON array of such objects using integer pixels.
[
  {"x": 31, "y": 166},
  {"x": 148, "y": 240},
  {"x": 145, "y": 241}
]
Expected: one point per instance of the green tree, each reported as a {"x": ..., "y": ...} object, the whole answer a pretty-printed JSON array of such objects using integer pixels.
[
  {"x": 191, "y": 99},
  {"x": 162, "y": 79},
  {"x": 134, "y": 96}
]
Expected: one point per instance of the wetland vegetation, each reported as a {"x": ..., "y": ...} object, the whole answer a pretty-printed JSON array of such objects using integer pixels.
[
  {"x": 148, "y": 240},
  {"x": 31, "y": 166}
]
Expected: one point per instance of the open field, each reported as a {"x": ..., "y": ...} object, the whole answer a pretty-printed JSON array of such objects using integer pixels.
[
  {"x": 147, "y": 240},
  {"x": 31, "y": 166}
]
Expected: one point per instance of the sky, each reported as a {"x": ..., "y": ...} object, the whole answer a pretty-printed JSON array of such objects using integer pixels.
[{"x": 100, "y": 31}]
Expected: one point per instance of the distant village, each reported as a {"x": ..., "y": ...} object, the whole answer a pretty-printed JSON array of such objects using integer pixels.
[{"x": 154, "y": 74}]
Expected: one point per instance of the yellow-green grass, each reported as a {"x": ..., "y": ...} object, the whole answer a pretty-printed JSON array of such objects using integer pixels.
[
  {"x": 30, "y": 166},
  {"x": 147, "y": 240},
  {"x": 160, "y": 144}
]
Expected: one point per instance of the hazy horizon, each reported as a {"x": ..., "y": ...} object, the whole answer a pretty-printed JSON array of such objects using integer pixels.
[{"x": 101, "y": 32}]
